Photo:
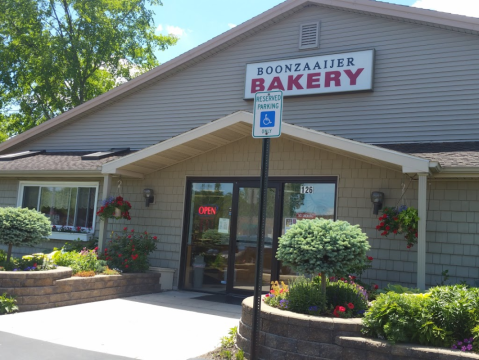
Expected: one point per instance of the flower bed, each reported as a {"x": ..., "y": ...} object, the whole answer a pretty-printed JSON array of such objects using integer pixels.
[
  {"x": 287, "y": 335},
  {"x": 35, "y": 290}
]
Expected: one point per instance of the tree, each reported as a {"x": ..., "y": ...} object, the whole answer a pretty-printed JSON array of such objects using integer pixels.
[
  {"x": 323, "y": 246},
  {"x": 21, "y": 226},
  {"x": 58, "y": 54}
]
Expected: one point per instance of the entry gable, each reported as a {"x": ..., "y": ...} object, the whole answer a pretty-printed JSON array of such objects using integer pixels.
[{"x": 237, "y": 126}]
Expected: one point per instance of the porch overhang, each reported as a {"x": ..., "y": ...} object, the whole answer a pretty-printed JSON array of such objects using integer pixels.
[{"x": 239, "y": 125}]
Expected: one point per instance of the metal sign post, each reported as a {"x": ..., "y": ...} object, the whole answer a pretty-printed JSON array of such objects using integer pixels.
[{"x": 268, "y": 108}]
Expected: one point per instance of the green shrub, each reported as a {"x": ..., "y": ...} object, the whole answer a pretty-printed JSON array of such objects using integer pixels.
[
  {"x": 86, "y": 260},
  {"x": 395, "y": 317},
  {"x": 128, "y": 251},
  {"x": 324, "y": 246},
  {"x": 441, "y": 317},
  {"x": 305, "y": 297},
  {"x": 22, "y": 227},
  {"x": 8, "y": 304},
  {"x": 349, "y": 295}
]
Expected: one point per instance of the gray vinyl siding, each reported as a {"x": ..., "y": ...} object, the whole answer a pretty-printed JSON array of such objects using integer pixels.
[{"x": 419, "y": 94}]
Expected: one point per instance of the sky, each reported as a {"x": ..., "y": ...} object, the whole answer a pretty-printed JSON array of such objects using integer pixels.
[{"x": 195, "y": 22}]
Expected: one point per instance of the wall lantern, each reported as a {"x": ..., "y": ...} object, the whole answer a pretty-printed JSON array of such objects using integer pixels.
[
  {"x": 149, "y": 195},
  {"x": 377, "y": 198}
]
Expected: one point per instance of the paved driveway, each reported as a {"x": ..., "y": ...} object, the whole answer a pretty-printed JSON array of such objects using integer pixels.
[{"x": 166, "y": 326}]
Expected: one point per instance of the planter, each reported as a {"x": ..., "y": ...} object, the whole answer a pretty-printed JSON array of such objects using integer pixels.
[
  {"x": 287, "y": 335},
  {"x": 35, "y": 290},
  {"x": 166, "y": 277},
  {"x": 117, "y": 212},
  {"x": 59, "y": 235}
]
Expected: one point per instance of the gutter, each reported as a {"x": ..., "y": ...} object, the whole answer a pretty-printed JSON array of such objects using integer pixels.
[{"x": 49, "y": 173}]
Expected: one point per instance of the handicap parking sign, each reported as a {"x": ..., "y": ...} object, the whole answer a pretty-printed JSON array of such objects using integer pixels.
[
  {"x": 268, "y": 110},
  {"x": 267, "y": 118}
]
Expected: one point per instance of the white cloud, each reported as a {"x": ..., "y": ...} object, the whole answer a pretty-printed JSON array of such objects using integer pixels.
[
  {"x": 175, "y": 30},
  {"x": 231, "y": 25},
  {"x": 460, "y": 7},
  {"x": 159, "y": 28}
]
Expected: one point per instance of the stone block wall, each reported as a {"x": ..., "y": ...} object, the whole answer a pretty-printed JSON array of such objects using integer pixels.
[
  {"x": 37, "y": 290},
  {"x": 289, "y": 336}
]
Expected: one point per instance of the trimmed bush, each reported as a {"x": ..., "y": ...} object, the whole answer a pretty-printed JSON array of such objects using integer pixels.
[
  {"x": 324, "y": 246},
  {"x": 22, "y": 227},
  {"x": 83, "y": 261},
  {"x": 349, "y": 295}
]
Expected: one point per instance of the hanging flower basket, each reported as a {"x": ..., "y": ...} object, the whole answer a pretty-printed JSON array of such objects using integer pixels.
[
  {"x": 114, "y": 208},
  {"x": 402, "y": 220}
]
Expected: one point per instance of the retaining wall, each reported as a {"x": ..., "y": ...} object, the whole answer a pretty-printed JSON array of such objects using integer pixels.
[
  {"x": 35, "y": 290},
  {"x": 289, "y": 336}
]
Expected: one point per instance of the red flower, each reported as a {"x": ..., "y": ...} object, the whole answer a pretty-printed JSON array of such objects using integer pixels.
[
  {"x": 409, "y": 246},
  {"x": 129, "y": 236},
  {"x": 267, "y": 295},
  {"x": 352, "y": 277},
  {"x": 119, "y": 255},
  {"x": 388, "y": 228},
  {"x": 96, "y": 249},
  {"x": 341, "y": 308},
  {"x": 335, "y": 313},
  {"x": 375, "y": 287},
  {"x": 415, "y": 234},
  {"x": 395, "y": 219},
  {"x": 126, "y": 266},
  {"x": 155, "y": 238},
  {"x": 370, "y": 258},
  {"x": 342, "y": 279},
  {"x": 384, "y": 233},
  {"x": 78, "y": 228},
  {"x": 125, "y": 228},
  {"x": 134, "y": 257},
  {"x": 381, "y": 224},
  {"x": 351, "y": 306},
  {"x": 395, "y": 231},
  {"x": 35, "y": 265},
  {"x": 132, "y": 230},
  {"x": 378, "y": 227}
]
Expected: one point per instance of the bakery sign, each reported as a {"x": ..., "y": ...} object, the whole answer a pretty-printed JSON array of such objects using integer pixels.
[{"x": 322, "y": 74}]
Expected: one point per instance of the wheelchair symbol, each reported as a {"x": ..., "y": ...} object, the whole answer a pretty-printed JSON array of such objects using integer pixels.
[{"x": 266, "y": 120}]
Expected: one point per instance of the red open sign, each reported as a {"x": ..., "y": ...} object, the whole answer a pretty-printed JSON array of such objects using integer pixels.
[{"x": 207, "y": 210}]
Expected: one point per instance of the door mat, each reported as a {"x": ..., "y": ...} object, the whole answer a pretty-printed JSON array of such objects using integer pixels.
[{"x": 225, "y": 299}]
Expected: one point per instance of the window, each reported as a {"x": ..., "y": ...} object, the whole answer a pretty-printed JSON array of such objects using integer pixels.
[{"x": 65, "y": 204}]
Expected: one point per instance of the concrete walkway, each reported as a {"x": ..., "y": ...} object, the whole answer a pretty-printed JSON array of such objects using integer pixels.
[{"x": 167, "y": 326}]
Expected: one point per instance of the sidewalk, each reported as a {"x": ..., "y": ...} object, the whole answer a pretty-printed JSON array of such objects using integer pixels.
[{"x": 166, "y": 326}]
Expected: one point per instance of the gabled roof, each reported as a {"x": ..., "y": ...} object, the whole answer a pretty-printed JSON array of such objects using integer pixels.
[
  {"x": 239, "y": 125},
  {"x": 240, "y": 32}
]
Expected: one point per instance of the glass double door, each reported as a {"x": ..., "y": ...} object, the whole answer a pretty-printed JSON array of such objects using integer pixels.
[{"x": 222, "y": 237}]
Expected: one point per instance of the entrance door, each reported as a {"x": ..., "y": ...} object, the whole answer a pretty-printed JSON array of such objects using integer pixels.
[{"x": 243, "y": 250}]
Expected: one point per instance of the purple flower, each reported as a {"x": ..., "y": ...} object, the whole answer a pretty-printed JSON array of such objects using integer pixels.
[
  {"x": 471, "y": 339},
  {"x": 463, "y": 348},
  {"x": 459, "y": 343},
  {"x": 469, "y": 347},
  {"x": 454, "y": 346}
]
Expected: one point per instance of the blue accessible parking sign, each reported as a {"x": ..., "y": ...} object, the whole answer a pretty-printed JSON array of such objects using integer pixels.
[{"x": 268, "y": 110}]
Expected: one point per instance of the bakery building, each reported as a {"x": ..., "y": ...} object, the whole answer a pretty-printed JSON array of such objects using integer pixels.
[{"x": 377, "y": 98}]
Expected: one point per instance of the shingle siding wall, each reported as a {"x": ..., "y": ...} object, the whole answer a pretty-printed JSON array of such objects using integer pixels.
[
  {"x": 425, "y": 88},
  {"x": 452, "y": 242}
]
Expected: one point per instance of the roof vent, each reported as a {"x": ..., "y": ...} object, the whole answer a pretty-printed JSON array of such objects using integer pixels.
[
  {"x": 20, "y": 155},
  {"x": 104, "y": 154},
  {"x": 309, "y": 35}
]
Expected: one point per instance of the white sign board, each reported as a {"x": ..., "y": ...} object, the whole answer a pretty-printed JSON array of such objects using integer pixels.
[
  {"x": 312, "y": 75},
  {"x": 268, "y": 111}
]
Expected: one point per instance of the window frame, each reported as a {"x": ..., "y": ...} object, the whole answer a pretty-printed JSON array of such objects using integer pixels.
[{"x": 63, "y": 184}]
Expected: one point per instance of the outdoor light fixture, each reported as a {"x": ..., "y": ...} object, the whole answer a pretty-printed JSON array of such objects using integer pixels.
[
  {"x": 377, "y": 198},
  {"x": 149, "y": 195}
]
